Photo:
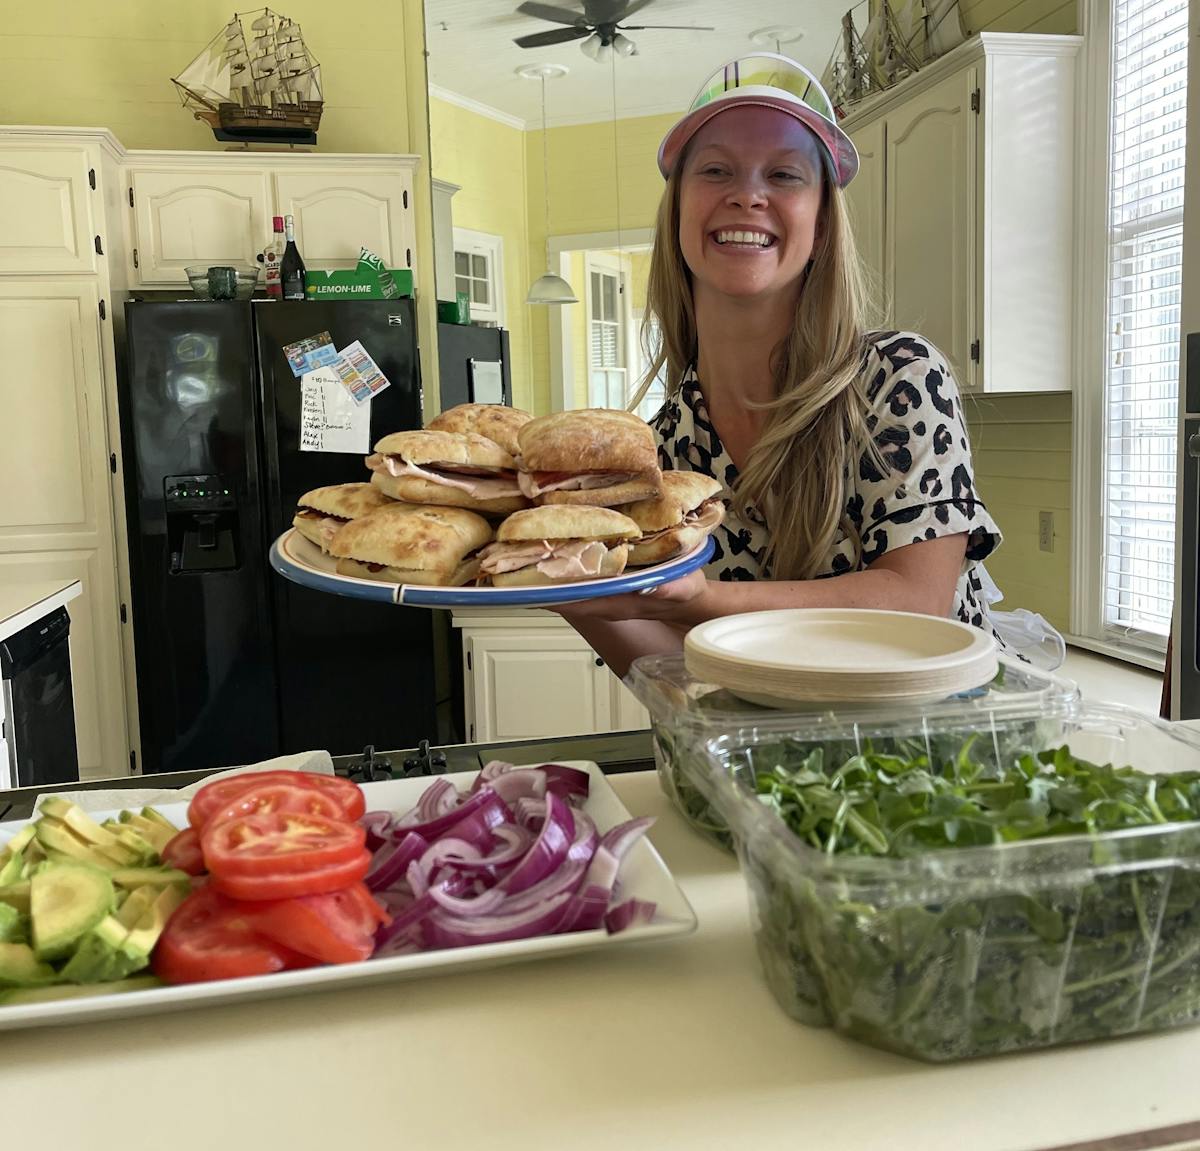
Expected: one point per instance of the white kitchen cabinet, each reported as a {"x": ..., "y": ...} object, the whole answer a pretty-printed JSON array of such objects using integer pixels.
[
  {"x": 526, "y": 686},
  {"x": 55, "y": 507},
  {"x": 199, "y": 208},
  {"x": 930, "y": 216},
  {"x": 196, "y": 215},
  {"x": 975, "y": 206},
  {"x": 46, "y": 222},
  {"x": 865, "y": 200},
  {"x": 338, "y": 212},
  {"x": 530, "y": 675}
]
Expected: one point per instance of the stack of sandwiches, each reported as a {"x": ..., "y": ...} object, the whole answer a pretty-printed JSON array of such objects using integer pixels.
[{"x": 491, "y": 495}]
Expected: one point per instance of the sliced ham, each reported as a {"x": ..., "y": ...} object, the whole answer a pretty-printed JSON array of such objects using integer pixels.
[
  {"x": 493, "y": 486},
  {"x": 706, "y": 516},
  {"x": 533, "y": 484},
  {"x": 326, "y": 525},
  {"x": 564, "y": 559}
]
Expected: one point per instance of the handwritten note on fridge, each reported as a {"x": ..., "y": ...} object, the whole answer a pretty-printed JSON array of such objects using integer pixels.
[{"x": 330, "y": 420}]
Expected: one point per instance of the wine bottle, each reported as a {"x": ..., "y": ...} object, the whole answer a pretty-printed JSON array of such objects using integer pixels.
[
  {"x": 271, "y": 258},
  {"x": 291, "y": 268}
]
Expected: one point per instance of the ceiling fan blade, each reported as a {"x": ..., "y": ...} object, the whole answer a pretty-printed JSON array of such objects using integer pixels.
[
  {"x": 551, "y": 12},
  {"x": 671, "y": 27},
  {"x": 554, "y": 36}
]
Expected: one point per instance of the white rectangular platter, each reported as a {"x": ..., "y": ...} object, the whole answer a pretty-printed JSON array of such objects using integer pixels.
[{"x": 644, "y": 875}]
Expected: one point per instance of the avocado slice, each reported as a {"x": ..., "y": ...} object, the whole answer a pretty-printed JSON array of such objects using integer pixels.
[
  {"x": 144, "y": 934},
  {"x": 158, "y": 817},
  {"x": 20, "y": 967},
  {"x": 140, "y": 901},
  {"x": 16, "y": 996},
  {"x": 16, "y": 895},
  {"x": 13, "y": 925},
  {"x": 98, "y": 957},
  {"x": 65, "y": 902},
  {"x": 153, "y": 833},
  {"x": 55, "y": 837},
  {"x": 150, "y": 876},
  {"x": 11, "y": 855}
]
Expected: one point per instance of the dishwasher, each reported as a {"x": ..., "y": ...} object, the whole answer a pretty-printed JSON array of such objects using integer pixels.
[{"x": 39, "y": 708}]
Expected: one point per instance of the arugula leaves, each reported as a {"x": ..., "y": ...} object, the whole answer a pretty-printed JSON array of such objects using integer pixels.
[{"x": 881, "y": 923}]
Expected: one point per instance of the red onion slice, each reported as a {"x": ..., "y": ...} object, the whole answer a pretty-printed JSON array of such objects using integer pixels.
[
  {"x": 437, "y": 799},
  {"x": 565, "y": 781},
  {"x": 547, "y": 851},
  {"x": 376, "y": 824},
  {"x": 490, "y": 771},
  {"x": 513, "y": 786},
  {"x": 442, "y": 929},
  {"x": 621, "y": 838},
  {"x": 485, "y": 798},
  {"x": 469, "y": 906},
  {"x": 390, "y": 863},
  {"x": 631, "y": 913}
]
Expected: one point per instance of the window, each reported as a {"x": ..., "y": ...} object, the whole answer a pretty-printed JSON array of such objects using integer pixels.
[
  {"x": 1149, "y": 44},
  {"x": 478, "y": 272},
  {"x": 607, "y": 325},
  {"x": 656, "y": 393}
]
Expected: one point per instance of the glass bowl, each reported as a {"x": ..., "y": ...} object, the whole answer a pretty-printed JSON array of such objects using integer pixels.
[{"x": 245, "y": 280}]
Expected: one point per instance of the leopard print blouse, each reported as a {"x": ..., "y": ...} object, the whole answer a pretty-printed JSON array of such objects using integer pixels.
[{"x": 929, "y": 491}]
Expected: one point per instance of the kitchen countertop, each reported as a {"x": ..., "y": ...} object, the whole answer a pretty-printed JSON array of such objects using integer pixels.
[
  {"x": 664, "y": 1045},
  {"x": 24, "y": 603}
]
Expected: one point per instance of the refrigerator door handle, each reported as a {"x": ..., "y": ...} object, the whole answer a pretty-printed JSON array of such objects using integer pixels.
[{"x": 1193, "y": 445}]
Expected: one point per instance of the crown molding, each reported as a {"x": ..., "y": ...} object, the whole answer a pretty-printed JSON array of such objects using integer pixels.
[{"x": 477, "y": 106}]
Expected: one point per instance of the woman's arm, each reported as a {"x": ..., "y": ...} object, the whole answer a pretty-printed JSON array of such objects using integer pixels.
[{"x": 920, "y": 577}]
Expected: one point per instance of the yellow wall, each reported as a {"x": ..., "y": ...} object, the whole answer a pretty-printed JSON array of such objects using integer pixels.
[
  {"x": 1055, "y": 17},
  {"x": 487, "y": 160},
  {"x": 108, "y": 63},
  {"x": 583, "y": 198}
]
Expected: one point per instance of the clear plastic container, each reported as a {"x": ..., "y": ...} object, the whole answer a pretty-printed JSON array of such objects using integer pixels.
[
  {"x": 957, "y": 953},
  {"x": 686, "y": 712}
]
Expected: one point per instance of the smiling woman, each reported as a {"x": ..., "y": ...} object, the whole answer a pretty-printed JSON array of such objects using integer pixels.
[{"x": 842, "y": 452}]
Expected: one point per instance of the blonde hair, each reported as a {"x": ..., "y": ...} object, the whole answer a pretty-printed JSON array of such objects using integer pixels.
[{"x": 795, "y": 475}]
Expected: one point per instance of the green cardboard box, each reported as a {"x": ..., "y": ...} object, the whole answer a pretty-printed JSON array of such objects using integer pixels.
[
  {"x": 355, "y": 284},
  {"x": 456, "y": 311}
]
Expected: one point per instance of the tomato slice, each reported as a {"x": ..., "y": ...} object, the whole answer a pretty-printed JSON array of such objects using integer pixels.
[
  {"x": 184, "y": 852},
  {"x": 335, "y": 928},
  {"x": 219, "y": 794},
  {"x": 281, "y": 841},
  {"x": 211, "y": 937},
  {"x": 291, "y": 884},
  {"x": 285, "y": 797}
]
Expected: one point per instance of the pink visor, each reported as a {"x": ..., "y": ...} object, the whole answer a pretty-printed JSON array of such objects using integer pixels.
[{"x": 769, "y": 81}]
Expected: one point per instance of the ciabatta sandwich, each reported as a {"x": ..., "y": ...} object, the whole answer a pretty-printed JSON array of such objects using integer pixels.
[
  {"x": 689, "y": 509},
  {"x": 450, "y": 469},
  {"x": 496, "y": 422},
  {"x": 595, "y": 456},
  {"x": 321, "y": 512},
  {"x": 413, "y": 544},
  {"x": 557, "y": 544}
]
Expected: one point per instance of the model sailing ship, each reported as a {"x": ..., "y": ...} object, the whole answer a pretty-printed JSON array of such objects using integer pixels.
[
  {"x": 898, "y": 37},
  {"x": 265, "y": 89}
]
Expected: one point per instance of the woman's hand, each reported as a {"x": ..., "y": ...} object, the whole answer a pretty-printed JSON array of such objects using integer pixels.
[{"x": 679, "y": 603}]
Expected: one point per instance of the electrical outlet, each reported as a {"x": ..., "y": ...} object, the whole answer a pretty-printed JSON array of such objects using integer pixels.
[{"x": 1046, "y": 531}]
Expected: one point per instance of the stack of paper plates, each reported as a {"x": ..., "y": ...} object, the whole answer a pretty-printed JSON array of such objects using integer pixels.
[{"x": 820, "y": 657}]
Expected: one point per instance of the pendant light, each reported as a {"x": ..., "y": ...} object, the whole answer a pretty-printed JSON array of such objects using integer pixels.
[{"x": 550, "y": 288}]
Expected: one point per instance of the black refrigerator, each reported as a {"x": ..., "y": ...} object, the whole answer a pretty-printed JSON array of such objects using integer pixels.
[
  {"x": 467, "y": 359},
  {"x": 234, "y": 663}
]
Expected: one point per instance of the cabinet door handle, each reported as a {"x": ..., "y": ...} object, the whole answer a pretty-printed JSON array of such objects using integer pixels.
[{"x": 599, "y": 662}]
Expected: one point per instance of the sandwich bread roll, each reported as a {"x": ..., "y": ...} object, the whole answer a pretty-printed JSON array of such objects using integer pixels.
[
  {"x": 496, "y": 422},
  {"x": 594, "y": 456},
  {"x": 557, "y": 544},
  {"x": 449, "y": 469},
  {"x": 323, "y": 511},
  {"x": 689, "y": 509},
  {"x": 412, "y": 544}
]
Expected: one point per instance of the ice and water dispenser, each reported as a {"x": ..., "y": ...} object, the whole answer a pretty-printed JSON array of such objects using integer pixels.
[{"x": 202, "y": 527}]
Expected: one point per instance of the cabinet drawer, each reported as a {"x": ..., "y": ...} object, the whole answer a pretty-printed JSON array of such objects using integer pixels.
[
  {"x": 200, "y": 216},
  {"x": 45, "y": 211}
]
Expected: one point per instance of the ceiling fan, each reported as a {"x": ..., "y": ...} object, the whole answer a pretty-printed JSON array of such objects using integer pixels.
[{"x": 600, "y": 26}]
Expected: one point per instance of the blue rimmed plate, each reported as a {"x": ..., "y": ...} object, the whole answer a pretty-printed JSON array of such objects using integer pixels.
[{"x": 301, "y": 561}]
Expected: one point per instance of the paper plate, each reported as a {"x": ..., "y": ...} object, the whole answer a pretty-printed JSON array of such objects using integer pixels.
[
  {"x": 301, "y": 561},
  {"x": 817, "y": 657}
]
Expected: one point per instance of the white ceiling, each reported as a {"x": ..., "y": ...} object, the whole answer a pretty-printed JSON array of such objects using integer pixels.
[{"x": 471, "y": 53}]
